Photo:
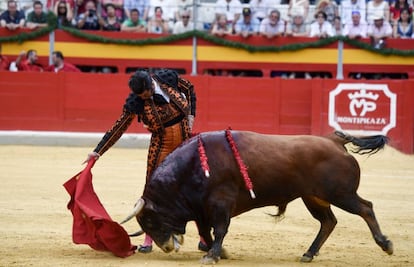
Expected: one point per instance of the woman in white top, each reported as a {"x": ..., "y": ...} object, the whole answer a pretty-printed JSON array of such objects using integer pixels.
[{"x": 321, "y": 28}]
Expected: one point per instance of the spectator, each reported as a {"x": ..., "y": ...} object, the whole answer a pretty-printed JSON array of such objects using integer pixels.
[
  {"x": 167, "y": 11},
  {"x": 330, "y": 8},
  {"x": 379, "y": 31},
  {"x": 37, "y": 18},
  {"x": 261, "y": 8},
  {"x": 396, "y": 8},
  {"x": 357, "y": 28},
  {"x": 231, "y": 8},
  {"x": 4, "y": 61},
  {"x": 299, "y": 7},
  {"x": 90, "y": 20},
  {"x": 51, "y": 4},
  {"x": 222, "y": 27},
  {"x": 350, "y": 6},
  {"x": 297, "y": 26},
  {"x": 247, "y": 26},
  {"x": 118, "y": 8},
  {"x": 141, "y": 5},
  {"x": 337, "y": 26},
  {"x": 12, "y": 18},
  {"x": 273, "y": 25},
  {"x": 157, "y": 24},
  {"x": 321, "y": 28},
  {"x": 377, "y": 8},
  {"x": 134, "y": 23},
  {"x": 185, "y": 24},
  {"x": 179, "y": 6},
  {"x": 403, "y": 28},
  {"x": 111, "y": 21},
  {"x": 28, "y": 61},
  {"x": 64, "y": 14},
  {"x": 59, "y": 65}
]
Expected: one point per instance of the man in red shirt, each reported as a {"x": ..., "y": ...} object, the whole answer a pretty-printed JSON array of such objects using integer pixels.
[
  {"x": 60, "y": 65},
  {"x": 30, "y": 63}
]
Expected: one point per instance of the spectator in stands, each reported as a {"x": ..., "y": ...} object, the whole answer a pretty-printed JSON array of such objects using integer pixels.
[
  {"x": 403, "y": 28},
  {"x": 60, "y": 65},
  {"x": 185, "y": 24},
  {"x": 118, "y": 9},
  {"x": 37, "y": 18},
  {"x": 134, "y": 23},
  {"x": 12, "y": 18},
  {"x": 90, "y": 20},
  {"x": 247, "y": 26},
  {"x": 379, "y": 31},
  {"x": 157, "y": 24},
  {"x": 337, "y": 26},
  {"x": 28, "y": 61},
  {"x": 357, "y": 28},
  {"x": 25, "y": 6},
  {"x": 273, "y": 25},
  {"x": 261, "y": 8},
  {"x": 321, "y": 28},
  {"x": 51, "y": 4},
  {"x": 297, "y": 27},
  {"x": 80, "y": 6},
  {"x": 168, "y": 9},
  {"x": 4, "y": 61},
  {"x": 396, "y": 8},
  {"x": 299, "y": 7},
  {"x": 231, "y": 8},
  {"x": 111, "y": 21},
  {"x": 330, "y": 8},
  {"x": 350, "y": 6},
  {"x": 180, "y": 5},
  {"x": 64, "y": 13},
  {"x": 222, "y": 27},
  {"x": 377, "y": 8},
  {"x": 141, "y": 5}
]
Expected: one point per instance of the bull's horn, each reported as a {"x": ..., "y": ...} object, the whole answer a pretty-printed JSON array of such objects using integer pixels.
[{"x": 137, "y": 208}]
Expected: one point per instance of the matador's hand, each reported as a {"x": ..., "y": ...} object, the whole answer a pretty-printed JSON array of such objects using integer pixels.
[{"x": 90, "y": 156}]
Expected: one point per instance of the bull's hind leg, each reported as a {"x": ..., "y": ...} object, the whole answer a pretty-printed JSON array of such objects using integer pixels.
[
  {"x": 356, "y": 205},
  {"x": 321, "y": 211}
]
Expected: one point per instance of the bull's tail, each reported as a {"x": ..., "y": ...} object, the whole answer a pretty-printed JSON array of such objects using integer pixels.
[{"x": 362, "y": 145}]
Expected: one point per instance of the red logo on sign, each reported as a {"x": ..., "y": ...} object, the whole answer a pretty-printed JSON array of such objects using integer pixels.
[{"x": 362, "y": 108}]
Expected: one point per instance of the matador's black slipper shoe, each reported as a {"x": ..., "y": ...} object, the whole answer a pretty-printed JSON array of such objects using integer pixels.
[
  {"x": 144, "y": 249},
  {"x": 202, "y": 247}
]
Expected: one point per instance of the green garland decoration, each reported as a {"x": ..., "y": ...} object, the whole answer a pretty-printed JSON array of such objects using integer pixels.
[{"x": 52, "y": 21}]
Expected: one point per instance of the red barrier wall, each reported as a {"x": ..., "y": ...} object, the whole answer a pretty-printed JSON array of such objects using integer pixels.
[{"x": 87, "y": 102}]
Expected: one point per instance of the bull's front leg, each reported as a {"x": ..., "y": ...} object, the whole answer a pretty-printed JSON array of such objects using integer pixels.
[{"x": 220, "y": 225}]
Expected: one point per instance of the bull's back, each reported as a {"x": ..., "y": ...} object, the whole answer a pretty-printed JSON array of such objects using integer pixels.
[{"x": 285, "y": 167}]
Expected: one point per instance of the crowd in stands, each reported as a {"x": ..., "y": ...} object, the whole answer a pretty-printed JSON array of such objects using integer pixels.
[
  {"x": 374, "y": 19},
  {"x": 356, "y": 18}
]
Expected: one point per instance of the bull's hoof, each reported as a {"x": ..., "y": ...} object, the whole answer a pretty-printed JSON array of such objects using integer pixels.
[
  {"x": 306, "y": 258},
  {"x": 389, "y": 247},
  {"x": 207, "y": 260}
]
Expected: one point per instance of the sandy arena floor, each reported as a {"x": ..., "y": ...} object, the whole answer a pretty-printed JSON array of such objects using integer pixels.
[{"x": 35, "y": 226}]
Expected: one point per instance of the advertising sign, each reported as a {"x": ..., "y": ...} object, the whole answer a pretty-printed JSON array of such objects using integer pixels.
[{"x": 361, "y": 108}]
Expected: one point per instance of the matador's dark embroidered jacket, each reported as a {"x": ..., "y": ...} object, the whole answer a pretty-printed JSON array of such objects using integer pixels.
[{"x": 156, "y": 113}]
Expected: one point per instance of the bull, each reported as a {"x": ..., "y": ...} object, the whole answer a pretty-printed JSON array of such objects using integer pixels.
[{"x": 319, "y": 170}]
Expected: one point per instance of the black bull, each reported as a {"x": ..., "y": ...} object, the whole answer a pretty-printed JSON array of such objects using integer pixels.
[{"x": 282, "y": 168}]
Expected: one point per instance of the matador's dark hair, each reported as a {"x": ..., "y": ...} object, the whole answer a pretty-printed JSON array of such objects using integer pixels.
[{"x": 140, "y": 81}]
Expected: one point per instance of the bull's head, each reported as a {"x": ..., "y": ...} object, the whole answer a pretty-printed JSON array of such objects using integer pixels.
[{"x": 157, "y": 225}]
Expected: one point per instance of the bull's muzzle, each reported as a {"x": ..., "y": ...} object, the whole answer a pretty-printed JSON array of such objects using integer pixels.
[{"x": 173, "y": 243}]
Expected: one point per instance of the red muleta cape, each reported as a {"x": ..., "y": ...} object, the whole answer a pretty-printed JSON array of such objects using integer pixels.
[{"x": 92, "y": 225}]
